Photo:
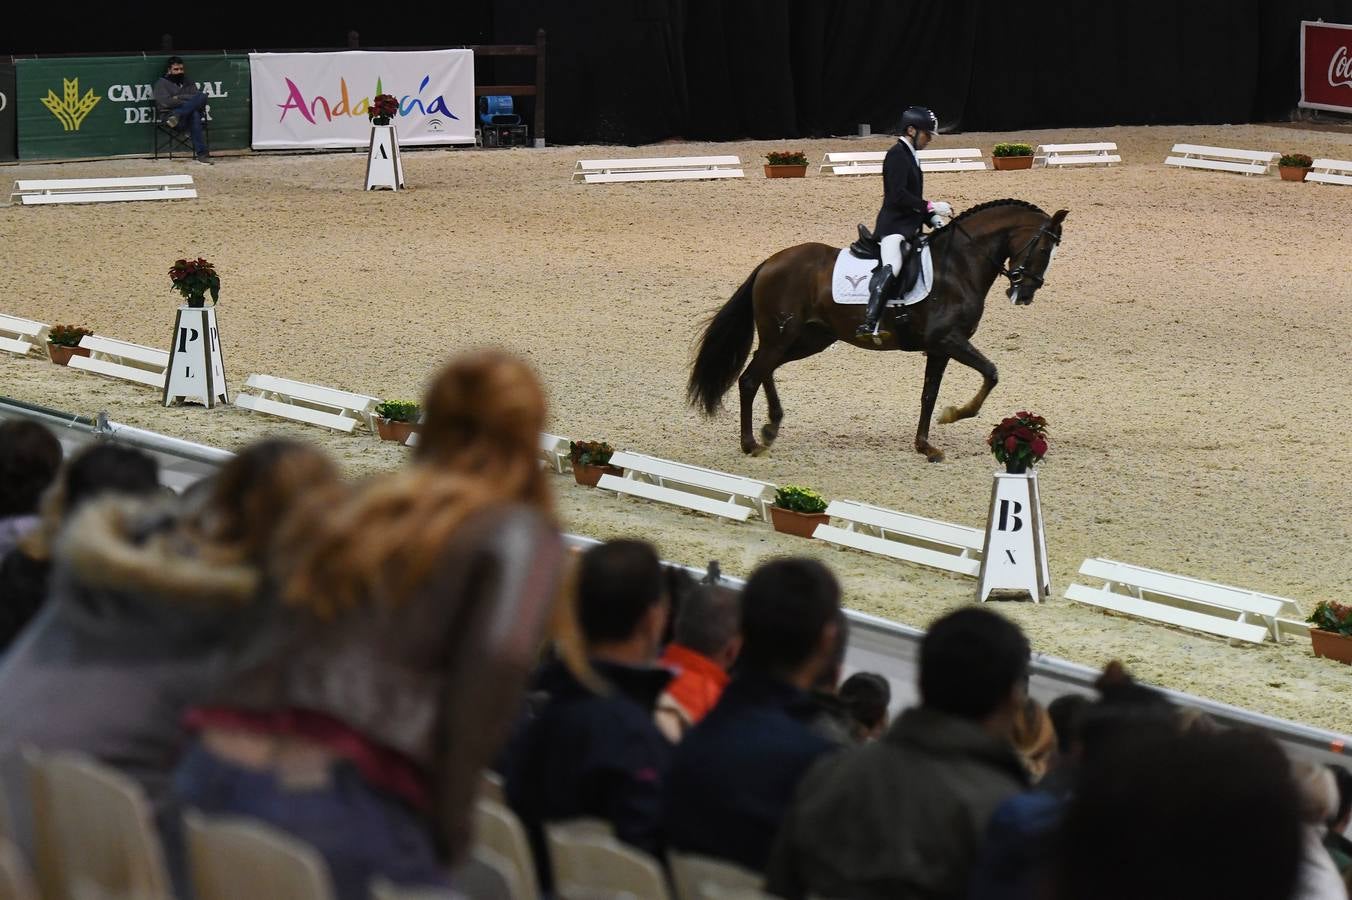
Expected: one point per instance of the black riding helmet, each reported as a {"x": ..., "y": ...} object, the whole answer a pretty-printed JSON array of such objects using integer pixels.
[{"x": 921, "y": 117}]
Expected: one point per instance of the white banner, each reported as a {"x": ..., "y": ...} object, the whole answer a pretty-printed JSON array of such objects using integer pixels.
[{"x": 320, "y": 99}]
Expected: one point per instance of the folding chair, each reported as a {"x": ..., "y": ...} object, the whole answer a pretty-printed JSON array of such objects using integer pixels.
[{"x": 165, "y": 139}]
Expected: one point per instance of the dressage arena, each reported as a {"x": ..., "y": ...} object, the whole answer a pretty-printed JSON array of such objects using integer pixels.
[{"x": 1190, "y": 351}]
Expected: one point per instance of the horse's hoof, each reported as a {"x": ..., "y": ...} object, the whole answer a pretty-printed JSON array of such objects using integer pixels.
[
  {"x": 759, "y": 450},
  {"x": 769, "y": 433},
  {"x": 950, "y": 414},
  {"x": 935, "y": 456}
]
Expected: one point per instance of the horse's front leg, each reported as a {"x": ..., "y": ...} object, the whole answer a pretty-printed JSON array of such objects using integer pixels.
[
  {"x": 935, "y": 364},
  {"x": 963, "y": 351}
]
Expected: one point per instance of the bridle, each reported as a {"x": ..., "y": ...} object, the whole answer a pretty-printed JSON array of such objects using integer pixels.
[{"x": 1019, "y": 273}]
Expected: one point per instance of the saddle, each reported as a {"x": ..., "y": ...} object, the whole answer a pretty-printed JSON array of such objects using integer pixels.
[{"x": 868, "y": 247}]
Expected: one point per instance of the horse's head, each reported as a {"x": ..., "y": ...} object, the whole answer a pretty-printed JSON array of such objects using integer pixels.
[{"x": 1033, "y": 249}]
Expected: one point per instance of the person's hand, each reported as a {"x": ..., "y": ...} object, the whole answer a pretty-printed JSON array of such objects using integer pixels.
[
  {"x": 937, "y": 221},
  {"x": 942, "y": 208}
]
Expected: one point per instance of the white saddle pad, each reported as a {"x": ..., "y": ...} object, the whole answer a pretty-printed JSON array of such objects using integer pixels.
[{"x": 849, "y": 280}]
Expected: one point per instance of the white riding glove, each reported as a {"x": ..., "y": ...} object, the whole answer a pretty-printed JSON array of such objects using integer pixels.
[
  {"x": 942, "y": 208},
  {"x": 937, "y": 221}
]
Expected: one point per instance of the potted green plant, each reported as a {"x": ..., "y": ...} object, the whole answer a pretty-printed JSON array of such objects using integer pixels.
[
  {"x": 786, "y": 164},
  {"x": 798, "y": 510},
  {"x": 1012, "y": 156},
  {"x": 1294, "y": 166},
  {"x": 397, "y": 419},
  {"x": 383, "y": 108},
  {"x": 63, "y": 342},
  {"x": 591, "y": 460},
  {"x": 194, "y": 279},
  {"x": 1331, "y": 631},
  {"x": 1019, "y": 441}
]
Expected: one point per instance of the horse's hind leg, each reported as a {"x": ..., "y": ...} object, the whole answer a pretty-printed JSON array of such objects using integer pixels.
[
  {"x": 770, "y": 430},
  {"x": 935, "y": 363},
  {"x": 758, "y": 371},
  {"x": 969, "y": 356},
  {"x": 811, "y": 341}
]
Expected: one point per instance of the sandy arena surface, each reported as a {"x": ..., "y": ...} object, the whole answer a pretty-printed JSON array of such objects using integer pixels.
[{"x": 1189, "y": 350}]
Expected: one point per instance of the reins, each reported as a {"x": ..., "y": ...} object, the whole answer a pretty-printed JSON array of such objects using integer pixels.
[{"x": 1018, "y": 274}]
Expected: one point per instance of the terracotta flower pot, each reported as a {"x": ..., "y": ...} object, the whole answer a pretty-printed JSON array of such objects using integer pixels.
[
  {"x": 1008, "y": 163},
  {"x": 390, "y": 430},
  {"x": 1332, "y": 645},
  {"x": 61, "y": 354},
  {"x": 588, "y": 475},
  {"x": 785, "y": 171},
  {"x": 801, "y": 524},
  {"x": 1293, "y": 173}
]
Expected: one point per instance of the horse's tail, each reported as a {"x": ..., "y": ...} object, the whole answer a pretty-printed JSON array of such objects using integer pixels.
[{"x": 723, "y": 348}]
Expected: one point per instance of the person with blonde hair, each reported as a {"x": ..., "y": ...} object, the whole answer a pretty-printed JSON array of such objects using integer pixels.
[
  {"x": 408, "y": 616},
  {"x": 1035, "y": 738}
]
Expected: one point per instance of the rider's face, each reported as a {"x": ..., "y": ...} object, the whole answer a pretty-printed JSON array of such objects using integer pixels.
[{"x": 922, "y": 139}]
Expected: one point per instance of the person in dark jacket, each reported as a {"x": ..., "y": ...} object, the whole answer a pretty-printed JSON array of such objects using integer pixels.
[
  {"x": 903, "y": 212},
  {"x": 25, "y": 572},
  {"x": 903, "y": 816},
  {"x": 182, "y": 104},
  {"x": 735, "y": 772},
  {"x": 593, "y": 749},
  {"x": 30, "y": 457}
]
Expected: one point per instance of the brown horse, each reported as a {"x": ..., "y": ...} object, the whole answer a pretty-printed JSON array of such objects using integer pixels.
[{"x": 787, "y": 302}]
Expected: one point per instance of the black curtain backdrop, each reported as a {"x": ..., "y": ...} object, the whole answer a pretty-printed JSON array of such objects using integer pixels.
[{"x": 640, "y": 71}]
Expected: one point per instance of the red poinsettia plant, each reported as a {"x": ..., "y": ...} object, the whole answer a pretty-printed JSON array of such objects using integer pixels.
[
  {"x": 1019, "y": 441},
  {"x": 194, "y": 278},
  {"x": 1331, "y": 616},
  {"x": 382, "y": 108}
]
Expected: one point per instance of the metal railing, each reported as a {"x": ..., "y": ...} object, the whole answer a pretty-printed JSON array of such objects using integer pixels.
[{"x": 875, "y": 644}]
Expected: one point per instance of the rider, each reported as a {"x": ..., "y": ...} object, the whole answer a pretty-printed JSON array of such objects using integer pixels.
[{"x": 903, "y": 212}]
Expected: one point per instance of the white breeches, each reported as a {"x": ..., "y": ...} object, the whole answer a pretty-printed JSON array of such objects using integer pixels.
[{"x": 890, "y": 252}]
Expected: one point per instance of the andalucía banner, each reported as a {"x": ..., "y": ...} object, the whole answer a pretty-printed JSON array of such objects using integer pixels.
[
  {"x": 321, "y": 99},
  {"x": 103, "y": 105}
]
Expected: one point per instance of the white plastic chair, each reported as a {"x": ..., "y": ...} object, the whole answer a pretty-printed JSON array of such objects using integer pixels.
[
  {"x": 94, "y": 825},
  {"x": 16, "y": 879},
  {"x": 589, "y": 864},
  {"x": 706, "y": 878},
  {"x": 499, "y": 831},
  {"x": 234, "y": 858}
]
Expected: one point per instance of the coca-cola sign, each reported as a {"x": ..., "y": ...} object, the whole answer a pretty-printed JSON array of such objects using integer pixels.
[{"x": 1326, "y": 66}]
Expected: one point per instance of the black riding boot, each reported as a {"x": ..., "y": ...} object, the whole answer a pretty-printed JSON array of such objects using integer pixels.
[{"x": 879, "y": 288}]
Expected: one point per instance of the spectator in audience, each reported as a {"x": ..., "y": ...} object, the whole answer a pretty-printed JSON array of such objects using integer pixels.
[
  {"x": 1067, "y": 712},
  {"x": 1015, "y": 859},
  {"x": 26, "y": 570},
  {"x": 1317, "y": 795},
  {"x": 706, "y": 641},
  {"x": 29, "y": 459},
  {"x": 408, "y": 613},
  {"x": 1173, "y": 816},
  {"x": 735, "y": 772},
  {"x": 592, "y": 748},
  {"x": 831, "y": 718},
  {"x": 1034, "y": 738},
  {"x": 1339, "y": 847},
  {"x": 148, "y": 603},
  {"x": 903, "y": 816},
  {"x": 866, "y": 696}
]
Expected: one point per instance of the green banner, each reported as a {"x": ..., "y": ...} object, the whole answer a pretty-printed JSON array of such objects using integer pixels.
[{"x": 102, "y": 105}]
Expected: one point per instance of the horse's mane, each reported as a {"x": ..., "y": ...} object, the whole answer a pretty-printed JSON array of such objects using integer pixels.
[{"x": 1008, "y": 201}]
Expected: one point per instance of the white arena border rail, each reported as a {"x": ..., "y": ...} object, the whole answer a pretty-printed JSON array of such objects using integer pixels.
[{"x": 876, "y": 644}]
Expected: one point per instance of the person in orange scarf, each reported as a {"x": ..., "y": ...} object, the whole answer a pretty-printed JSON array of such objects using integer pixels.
[{"x": 706, "y": 640}]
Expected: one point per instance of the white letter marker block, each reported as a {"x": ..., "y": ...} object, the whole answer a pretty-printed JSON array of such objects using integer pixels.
[
  {"x": 196, "y": 369},
  {"x": 1014, "y": 557},
  {"x": 384, "y": 169}
]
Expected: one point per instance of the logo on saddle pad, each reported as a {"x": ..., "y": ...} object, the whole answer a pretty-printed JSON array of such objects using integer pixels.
[{"x": 849, "y": 280}]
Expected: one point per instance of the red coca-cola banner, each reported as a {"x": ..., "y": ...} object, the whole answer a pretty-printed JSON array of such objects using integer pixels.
[{"x": 1326, "y": 66}]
